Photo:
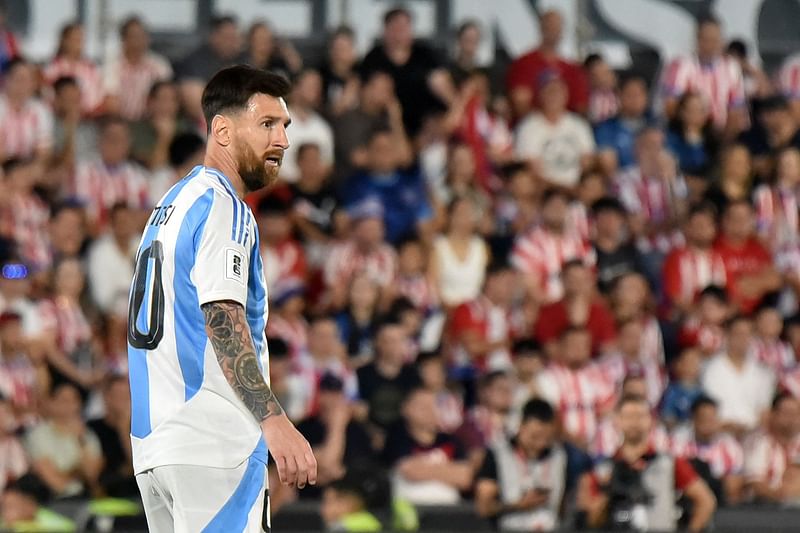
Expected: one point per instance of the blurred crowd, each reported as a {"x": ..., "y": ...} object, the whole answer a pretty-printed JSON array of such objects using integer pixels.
[{"x": 563, "y": 292}]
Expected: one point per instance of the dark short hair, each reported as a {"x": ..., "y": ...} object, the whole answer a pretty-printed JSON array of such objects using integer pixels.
[
  {"x": 538, "y": 409},
  {"x": 526, "y": 345},
  {"x": 779, "y": 398},
  {"x": 608, "y": 204},
  {"x": 716, "y": 292},
  {"x": 702, "y": 208},
  {"x": 489, "y": 379},
  {"x": 632, "y": 77},
  {"x": 278, "y": 348},
  {"x": 63, "y": 82},
  {"x": 632, "y": 398},
  {"x": 183, "y": 147},
  {"x": 398, "y": 11},
  {"x": 305, "y": 147},
  {"x": 107, "y": 121},
  {"x": 591, "y": 60},
  {"x": 16, "y": 62},
  {"x": 126, "y": 24},
  {"x": 467, "y": 24},
  {"x": 428, "y": 357},
  {"x": 737, "y": 47},
  {"x": 572, "y": 263},
  {"x": 231, "y": 88},
  {"x": 343, "y": 31},
  {"x": 735, "y": 319},
  {"x": 702, "y": 401},
  {"x": 708, "y": 18},
  {"x": 158, "y": 85},
  {"x": 555, "y": 192},
  {"x": 221, "y": 20}
]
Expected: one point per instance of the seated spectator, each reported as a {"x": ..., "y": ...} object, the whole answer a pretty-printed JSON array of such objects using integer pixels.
[
  {"x": 558, "y": 144},
  {"x": 267, "y": 52},
  {"x": 384, "y": 382},
  {"x": 771, "y": 350},
  {"x": 639, "y": 487},
  {"x": 24, "y": 213},
  {"x": 756, "y": 83},
  {"x": 491, "y": 419},
  {"x": 749, "y": 269},
  {"x": 74, "y": 136},
  {"x": 413, "y": 282},
  {"x": 740, "y": 385},
  {"x": 603, "y": 102},
  {"x": 308, "y": 126},
  {"x": 524, "y": 480},
  {"x": 23, "y": 113},
  {"x": 704, "y": 328},
  {"x": 616, "y": 136},
  {"x": 517, "y": 205},
  {"x": 777, "y": 128},
  {"x": 345, "y": 504},
  {"x": 24, "y": 379},
  {"x": 632, "y": 299},
  {"x": 684, "y": 388},
  {"x": 428, "y": 466},
  {"x": 525, "y": 70},
  {"x": 113, "y": 431},
  {"x": 460, "y": 255},
  {"x": 70, "y": 60},
  {"x": 15, "y": 295},
  {"x": 690, "y": 268},
  {"x": 128, "y": 77},
  {"x": 68, "y": 229},
  {"x": 691, "y": 138},
  {"x": 161, "y": 123},
  {"x": 479, "y": 334},
  {"x": 777, "y": 204},
  {"x": 449, "y": 405},
  {"x": 338, "y": 441},
  {"x": 615, "y": 254},
  {"x": 186, "y": 151},
  {"x": 528, "y": 362},
  {"x": 402, "y": 193},
  {"x": 287, "y": 384},
  {"x": 577, "y": 386},
  {"x": 541, "y": 253},
  {"x": 282, "y": 255},
  {"x": 735, "y": 181},
  {"x": 365, "y": 252},
  {"x": 22, "y": 508},
  {"x": 64, "y": 453},
  {"x": 772, "y": 467},
  {"x": 591, "y": 188},
  {"x": 703, "y": 442},
  {"x": 286, "y": 320},
  {"x": 581, "y": 306},
  {"x": 358, "y": 322},
  {"x": 111, "y": 259},
  {"x": 104, "y": 181},
  {"x": 13, "y": 461}
]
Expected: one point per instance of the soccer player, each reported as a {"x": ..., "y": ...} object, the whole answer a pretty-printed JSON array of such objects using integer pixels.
[{"x": 203, "y": 414}]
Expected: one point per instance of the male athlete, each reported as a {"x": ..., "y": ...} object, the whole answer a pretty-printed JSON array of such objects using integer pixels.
[{"x": 203, "y": 414}]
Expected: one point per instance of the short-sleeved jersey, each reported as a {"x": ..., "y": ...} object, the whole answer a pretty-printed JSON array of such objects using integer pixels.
[{"x": 200, "y": 245}]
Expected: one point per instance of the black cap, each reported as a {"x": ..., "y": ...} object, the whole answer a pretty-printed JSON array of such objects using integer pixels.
[{"x": 331, "y": 383}]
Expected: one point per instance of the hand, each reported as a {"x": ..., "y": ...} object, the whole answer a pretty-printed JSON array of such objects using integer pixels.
[
  {"x": 292, "y": 454},
  {"x": 531, "y": 500},
  {"x": 414, "y": 469}
]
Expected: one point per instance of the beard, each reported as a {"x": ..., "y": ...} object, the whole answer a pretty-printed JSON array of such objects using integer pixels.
[{"x": 254, "y": 171}]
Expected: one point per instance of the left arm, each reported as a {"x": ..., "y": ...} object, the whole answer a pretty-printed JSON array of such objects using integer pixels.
[{"x": 703, "y": 502}]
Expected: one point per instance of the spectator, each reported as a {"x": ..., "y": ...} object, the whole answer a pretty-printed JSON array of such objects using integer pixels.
[
  {"x": 347, "y": 502},
  {"x": 22, "y": 508},
  {"x": 788, "y": 82},
  {"x": 266, "y": 52},
  {"x": 110, "y": 178},
  {"x": 283, "y": 256},
  {"x": 358, "y": 322},
  {"x": 770, "y": 348},
  {"x": 285, "y": 382},
  {"x": 517, "y": 205},
  {"x": 421, "y": 82},
  {"x": 339, "y": 72},
  {"x": 540, "y": 253},
  {"x": 558, "y": 144},
  {"x": 623, "y": 492},
  {"x": 68, "y": 229},
  {"x": 428, "y": 466},
  {"x": 461, "y": 180},
  {"x": 111, "y": 259},
  {"x": 15, "y": 295},
  {"x": 778, "y": 128},
  {"x": 577, "y": 386},
  {"x": 365, "y": 252},
  {"x": 22, "y": 113},
  {"x": 771, "y": 458},
  {"x": 307, "y": 124},
  {"x": 338, "y": 441},
  {"x": 13, "y": 461},
  {"x": 528, "y": 362},
  {"x": 704, "y": 327},
  {"x": 74, "y": 136},
  {"x": 524, "y": 72},
  {"x": 777, "y": 203},
  {"x": 690, "y": 268},
  {"x": 467, "y": 46},
  {"x": 735, "y": 178},
  {"x": 10, "y": 49},
  {"x": 684, "y": 388},
  {"x": 523, "y": 481},
  {"x": 491, "y": 419},
  {"x": 70, "y": 60},
  {"x": 756, "y": 82},
  {"x": 691, "y": 137},
  {"x": 460, "y": 256},
  {"x": 221, "y": 49},
  {"x": 739, "y": 384},
  {"x": 479, "y": 335},
  {"x": 286, "y": 321},
  {"x": 616, "y": 136},
  {"x": 615, "y": 254},
  {"x": 64, "y": 453},
  {"x": 402, "y": 192},
  {"x": 160, "y": 124},
  {"x": 717, "y": 78},
  {"x": 449, "y": 405},
  {"x": 134, "y": 71},
  {"x": 580, "y": 307},
  {"x": 23, "y": 376},
  {"x": 749, "y": 269},
  {"x": 388, "y": 378},
  {"x": 113, "y": 431},
  {"x": 24, "y": 212},
  {"x": 592, "y": 187},
  {"x": 413, "y": 282},
  {"x": 709, "y": 448},
  {"x": 603, "y": 102}
]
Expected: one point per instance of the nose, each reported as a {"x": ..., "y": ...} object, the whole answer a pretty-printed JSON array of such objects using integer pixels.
[{"x": 281, "y": 140}]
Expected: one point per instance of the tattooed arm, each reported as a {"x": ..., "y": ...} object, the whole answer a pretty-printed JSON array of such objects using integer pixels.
[{"x": 226, "y": 327}]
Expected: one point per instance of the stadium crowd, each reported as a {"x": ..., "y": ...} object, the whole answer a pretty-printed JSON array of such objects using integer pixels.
[{"x": 562, "y": 292}]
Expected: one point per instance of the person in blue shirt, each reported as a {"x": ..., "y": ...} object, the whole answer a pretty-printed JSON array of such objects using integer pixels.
[
  {"x": 690, "y": 136},
  {"x": 407, "y": 210},
  {"x": 616, "y": 136},
  {"x": 683, "y": 390}
]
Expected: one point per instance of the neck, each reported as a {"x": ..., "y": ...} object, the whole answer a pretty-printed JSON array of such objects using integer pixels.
[
  {"x": 552, "y": 115},
  {"x": 388, "y": 369},
  {"x": 422, "y": 436},
  {"x": 548, "y": 50},
  {"x": 606, "y": 243},
  {"x": 225, "y": 164},
  {"x": 361, "y": 314},
  {"x": 737, "y": 358},
  {"x": 632, "y": 452},
  {"x": 134, "y": 56}
]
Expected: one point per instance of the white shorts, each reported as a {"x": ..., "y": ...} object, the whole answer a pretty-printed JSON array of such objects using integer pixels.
[{"x": 191, "y": 499}]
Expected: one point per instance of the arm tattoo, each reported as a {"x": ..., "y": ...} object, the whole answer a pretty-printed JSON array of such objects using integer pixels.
[{"x": 227, "y": 328}]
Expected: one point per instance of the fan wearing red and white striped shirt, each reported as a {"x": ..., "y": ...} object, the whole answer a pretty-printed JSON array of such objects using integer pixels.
[
  {"x": 24, "y": 217},
  {"x": 714, "y": 76},
  {"x": 603, "y": 101},
  {"x": 777, "y": 206},
  {"x": 70, "y": 61},
  {"x": 772, "y": 351},
  {"x": 26, "y": 123},
  {"x": 62, "y": 316},
  {"x": 286, "y": 319},
  {"x": 542, "y": 252},
  {"x": 788, "y": 79},
  {"x": 129, "y": 77},
  {"x": 110, "y": 178}
]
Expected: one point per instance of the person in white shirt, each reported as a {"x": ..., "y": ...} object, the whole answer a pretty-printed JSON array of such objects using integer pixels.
[
  {"x": 741, "y": 386},
  {"x": 559, "y": 144},
  {"x": 111, "y": 259}
]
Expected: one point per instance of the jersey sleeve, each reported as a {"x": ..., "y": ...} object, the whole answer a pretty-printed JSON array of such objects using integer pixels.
[{"x": 222, "y": 262}]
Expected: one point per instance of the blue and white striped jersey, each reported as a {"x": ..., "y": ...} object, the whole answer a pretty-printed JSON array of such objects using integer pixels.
[{"x": 200, "y": 245}]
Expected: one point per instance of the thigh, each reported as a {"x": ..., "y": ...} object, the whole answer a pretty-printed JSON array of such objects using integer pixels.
[
  {"x": 156, "y": 503},
  {"x": 216, "y": 499}
]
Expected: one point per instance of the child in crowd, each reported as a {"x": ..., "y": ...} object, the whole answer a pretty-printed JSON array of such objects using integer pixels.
[
  {"x": 449, "y": 405},
  {"x": 704, "y": 329},
  {"x": 771, "y": 350},
  {"x": 684, "y": 389}
]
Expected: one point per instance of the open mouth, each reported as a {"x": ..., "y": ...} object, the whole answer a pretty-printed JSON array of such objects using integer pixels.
[{"x": 273, "y": 161}]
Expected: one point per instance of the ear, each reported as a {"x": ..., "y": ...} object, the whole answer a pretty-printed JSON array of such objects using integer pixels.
[{"x": 221, "y": 130}]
